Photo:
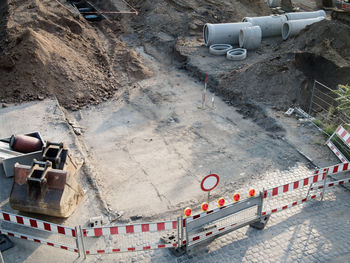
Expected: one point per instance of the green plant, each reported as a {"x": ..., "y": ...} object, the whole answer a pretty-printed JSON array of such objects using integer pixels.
[
  {"x": 317, "y": 122},
  {"x": 329, "y": 128},
  {"x": 343, "y": 93}
]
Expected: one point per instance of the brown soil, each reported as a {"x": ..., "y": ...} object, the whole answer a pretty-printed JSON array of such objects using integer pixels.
[{"x": 45, "y": 51}]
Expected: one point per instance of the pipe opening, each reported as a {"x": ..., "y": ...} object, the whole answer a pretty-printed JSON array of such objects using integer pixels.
[
  {"x": 206, "y": 33},
  {"x": 241, "y": 38},
  {"x": 285, "y": 31}
]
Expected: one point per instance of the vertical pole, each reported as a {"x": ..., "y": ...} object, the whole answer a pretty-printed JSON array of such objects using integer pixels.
[
  {"x": 324, "y": 185},
  {"x": 261, "y": 203},
  {"x": 1, "y": 259},
  {"x": 178, "y": 231},
  {"x": 82, "y": 241},
  {"x": 182, "y": 230},
  {"x": 208, "y": 196},
  {"x": 308, "y": 191},
  {"x": 77, "y": 239},
  {"x": 312, "y": 97}
]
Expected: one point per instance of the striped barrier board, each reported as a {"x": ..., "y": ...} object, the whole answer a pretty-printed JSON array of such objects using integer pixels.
[
  {"x": 318, "y": 176},
  {"x": 331, "y": 184},
  {"x": 38, "y": 224},
  {"x": 291, "y": 205},
  {"x": 129, "y": 229},
  {"x": 130, "y": 249},
  {"x": 38, "y": 240},
  {"x": 344, "y": 135},
  {"x": 336, "y": 151}
]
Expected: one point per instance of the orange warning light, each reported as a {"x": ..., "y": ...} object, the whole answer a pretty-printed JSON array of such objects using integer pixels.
[
  {"x": 236, "y": 197},
  {"x": 205, "y": 207},
  {"x": 188, "y": 212},
  {"x": 221, "y": 202},
  {"x": 251, "y": 192}
]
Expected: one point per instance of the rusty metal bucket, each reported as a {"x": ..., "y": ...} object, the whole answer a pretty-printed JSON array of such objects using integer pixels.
[{"x": 49, "y": 186}]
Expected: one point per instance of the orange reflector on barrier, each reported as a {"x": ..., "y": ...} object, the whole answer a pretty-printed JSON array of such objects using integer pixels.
[
  {"x": 188, "y": 212},
  {"x": 251, "y": 192},
  {"x": 221, "y": 202},
  {"x": 236, "y": 197},
  {"x": 205, "y": 206}
]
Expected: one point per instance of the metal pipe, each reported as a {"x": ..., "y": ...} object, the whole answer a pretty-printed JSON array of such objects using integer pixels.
[{"x": 82, "y": 241}]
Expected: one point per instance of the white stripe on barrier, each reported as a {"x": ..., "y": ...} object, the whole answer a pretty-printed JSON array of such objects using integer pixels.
[
  {"x": 129, "y": 229},
  {"x": 336, "y": 151},
  {"x": 268, "y": 212},
  {"x": 37, "y": 224},
  {"x": 129, "y": 249},
  {"x": 38, "y": 240}
]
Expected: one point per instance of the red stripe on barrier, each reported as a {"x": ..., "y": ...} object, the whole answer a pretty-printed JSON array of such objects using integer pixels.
[
  {"x": 76, "y": 250},
  {"x": 129, "y": 229},
  {"x": 275, "y": 191},
  {"x": 33, "y": 223},
  {"x": 295, "y": 203},
  {"x": 195, "y": 238},
  {"x": 161, "y": 246},
  {"x": 6, "y": 216},
  {"x": 160, "y": 226},
  {"x": 100, "y": 251},
  {"x": 304, "y": 200},
  {"x": 263, "y": 213},
  {"x": 209, "y": 212},
  {"x": 348, "y": 140},
  {"x": 145, "y": 227},
  {"x": 64, "y": 247},
  {"x": 24, "y": 237},
  {"x": 98, "y": 232},
  {"x": 285, "y": 188},
  {"x": 73, "y": 232},
  {"x": 265, "y": 194},
  {"x": 131, "y": 249},
  {"x": 184, "y": 242},
  {"x": 343, "y": 134},
  {"x": 50, "y": 244},
  {"x": 339, "y": 128},
  {"x": 19, "y": 220},
  {"x": 196, "y": 216},
  {"x": 115, "y": 250},
  {"x": 60, "y": 230},
  {"x": 220, "y": 229},
  {"x": 209, "y": 233},
  {"x": 296, "y": 185},
  {"x": 174, "y": 224},
  {"x": 47, "y": 227},
  {"x": 335, "y": 169},
  {"x": 175, "y": 245},
  {"x": 285, "y": 207},
  {"x": 10, "y": 234},
  {"x": 37, "y": 240},
  {"x": 114, "y": 230},
  {"x": 315, "y": 179},
  {"x": 313, "y": 197},
  {"x": 345, "y": 166},
  {"x": 306, "y": 181},
  {"x": 145, "y": 248},
  {"x": 341, "y": 182},
  {"x": 274, "y": 210}
]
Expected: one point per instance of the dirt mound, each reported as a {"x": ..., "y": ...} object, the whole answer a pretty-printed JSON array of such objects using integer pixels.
[
  {"x": 46, "y": 51},
  {"x": 321, "y": 52}
]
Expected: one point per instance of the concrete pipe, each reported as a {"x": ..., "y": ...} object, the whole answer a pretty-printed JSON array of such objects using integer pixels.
[
  {"x": 250, "y": 37},
  {"x": 305, "y": 15},
  {"x": 273, "y": 3},
  {"x": 293, "y": 27},
  {"x": 226, "y": 33},
  {"x": 236, "y": 54},
  {"x": 270, "y": 25}
]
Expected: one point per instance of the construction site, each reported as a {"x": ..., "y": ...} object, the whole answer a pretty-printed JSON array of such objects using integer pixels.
[{"x": 174, "y": 131}]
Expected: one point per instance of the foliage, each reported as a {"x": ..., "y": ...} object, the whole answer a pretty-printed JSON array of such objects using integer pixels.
[{"x": 343, "y": 93}]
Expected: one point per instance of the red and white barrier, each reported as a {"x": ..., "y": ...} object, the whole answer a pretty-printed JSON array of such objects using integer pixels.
[
  {"x": 38, "y": 224},
  {"x": 38, "y": 240},
  {"x": 129, "y": 229},
  {"x": 344, "y": 135},
  {"x": 290, "y": 205},
  {"x": 331, "y": 184},
  {"x": 130, "y": 249},
  {"x": 336, "y": 151}
]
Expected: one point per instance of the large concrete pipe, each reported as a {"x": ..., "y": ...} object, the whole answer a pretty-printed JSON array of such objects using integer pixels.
[
  {"x": 270, "y": 25},
  {"x": 226, "y": 33},
  {"x": 293, "y": 27},
  {"x": 305, "y": 15},
  {"x": 250, "y": 37}
]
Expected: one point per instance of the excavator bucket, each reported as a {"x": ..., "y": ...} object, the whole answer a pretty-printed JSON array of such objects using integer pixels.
[{"x": 48, "y": 186}]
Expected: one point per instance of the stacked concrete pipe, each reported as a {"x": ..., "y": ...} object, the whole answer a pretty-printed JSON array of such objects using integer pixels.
[
  {"x": 226, "y": 33},
  {"x": 306, "y": 15},
  {"x": 270, "y": 25},
  {"x": 250, "y": 37},
  {"x": 293, "y": 27}
]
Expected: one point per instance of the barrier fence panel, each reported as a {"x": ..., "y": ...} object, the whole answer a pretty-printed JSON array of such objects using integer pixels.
[
  {"x": 39, "y": 231},
  {"x": 129, "y": 238},
  {"x": 222, "y": 220}
]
